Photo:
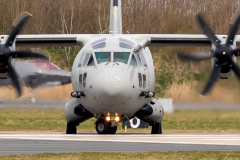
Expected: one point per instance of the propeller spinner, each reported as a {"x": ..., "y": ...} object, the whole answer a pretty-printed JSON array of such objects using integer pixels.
[
  {"x": 6, "y": 54},
  {"x": 223, "y": 52}
]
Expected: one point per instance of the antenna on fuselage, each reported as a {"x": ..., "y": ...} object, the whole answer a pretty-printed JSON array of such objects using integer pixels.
[{"x": 115, "y": 17}]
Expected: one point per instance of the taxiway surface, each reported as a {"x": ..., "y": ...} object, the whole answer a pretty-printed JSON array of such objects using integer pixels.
[
  {"x": 60, "y": 103},
  {"x": 36, "y": 143}
]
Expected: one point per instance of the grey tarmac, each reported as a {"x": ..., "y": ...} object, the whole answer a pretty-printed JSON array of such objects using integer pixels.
[{"x": 14, "y": 143}]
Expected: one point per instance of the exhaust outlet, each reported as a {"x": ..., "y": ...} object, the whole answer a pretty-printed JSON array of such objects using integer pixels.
[{"x": 81, "y": 111}]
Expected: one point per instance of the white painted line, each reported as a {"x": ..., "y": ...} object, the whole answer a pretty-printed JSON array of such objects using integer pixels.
[{"x": 125, "y": 141}]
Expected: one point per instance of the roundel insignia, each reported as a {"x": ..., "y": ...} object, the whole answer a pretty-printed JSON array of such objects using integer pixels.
[{"x": 135, "y": 122}]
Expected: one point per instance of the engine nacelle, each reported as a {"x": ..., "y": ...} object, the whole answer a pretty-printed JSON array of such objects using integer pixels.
[
  {"x": 151, "y": 112},
  {"x": 3, "y": 71},
  {"x": 75, "y": 112},
  {"x": 226, "y": 71}
]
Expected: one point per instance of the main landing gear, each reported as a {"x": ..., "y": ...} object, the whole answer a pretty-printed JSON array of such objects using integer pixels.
[
  {"x": 104, "y": 127},
  {"x": 71, "y": 128},
  {"x": 156, "y": 128}
]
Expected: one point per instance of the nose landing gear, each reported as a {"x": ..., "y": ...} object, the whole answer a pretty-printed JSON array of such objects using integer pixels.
[{"x": 104, "y": 127}]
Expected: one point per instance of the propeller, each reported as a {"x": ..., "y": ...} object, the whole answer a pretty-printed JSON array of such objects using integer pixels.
[
  {"x": 223, "y": 52},
  {"x": 6, "y": 54}
]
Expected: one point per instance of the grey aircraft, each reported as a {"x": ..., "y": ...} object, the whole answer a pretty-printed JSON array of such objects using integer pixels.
[
  {"x": 113, "y": 75},
  {"x": 39, "y": 73}
]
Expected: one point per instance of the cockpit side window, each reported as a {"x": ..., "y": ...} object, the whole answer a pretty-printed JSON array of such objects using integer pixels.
[
  {"x": 133, "y": 61},
  {"x": 103, "y": 57},
  {"x": 142, "y": 59},
  {"x": 138, "y": 59},
  {"x": 44, "y": 64},
  {"x": 124, "y": 43},
  {"x": 84, "y": 80},
  {"x": 99, "y": 43},
  {"x": 121, "y": 57},
  {"x": 140, "y": 80},
  {"x": 81, "y": 60},
  {"x": 144, "y": 81},
  {"x": 80, "y": 80},
  {"x": 86, "y": 59},
  {"x": 91, "y": 61}
]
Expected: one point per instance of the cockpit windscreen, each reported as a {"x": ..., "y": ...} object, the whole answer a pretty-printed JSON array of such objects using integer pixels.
[
  {"x": 103, "y": 57},
  {"x": 121, "y": 57}
]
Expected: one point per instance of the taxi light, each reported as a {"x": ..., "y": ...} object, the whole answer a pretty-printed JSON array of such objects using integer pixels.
[
  {"x": 108, "y": 118},
  {"x": 117, "y": 119}
]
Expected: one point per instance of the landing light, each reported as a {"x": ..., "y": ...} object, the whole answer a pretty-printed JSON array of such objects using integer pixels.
[
  {"x": 108, "y": 118},
  {"x": 117, "y": 119}
]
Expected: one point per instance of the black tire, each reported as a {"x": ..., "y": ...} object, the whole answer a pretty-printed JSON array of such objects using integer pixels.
[
  {"x": 103, "y": 127},
  {"x": 71, "y": 128},
  {"x": 113, "y": 130},
  {"x": 156, "y": 128}
]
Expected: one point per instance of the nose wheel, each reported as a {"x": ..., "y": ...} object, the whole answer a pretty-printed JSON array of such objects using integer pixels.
[
  {"x": 113, "y": 130},
  {"x": 104, "y": 127}
]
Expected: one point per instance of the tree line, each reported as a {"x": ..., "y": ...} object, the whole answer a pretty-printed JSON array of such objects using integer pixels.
[{"x": 139, "y": 16}]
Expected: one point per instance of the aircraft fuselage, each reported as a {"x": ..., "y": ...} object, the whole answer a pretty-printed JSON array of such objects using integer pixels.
[{"x": 112, "y": 76}]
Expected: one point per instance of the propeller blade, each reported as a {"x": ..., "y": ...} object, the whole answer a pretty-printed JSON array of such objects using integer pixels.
[
  {"x": 196, "y": 56},
  {"x": 236, "y": 52},
  {"x": 16, "y": 27},
  {"x": 213, "y": 78},
  {"x": 16, "y": 80},
  {"x": 210, "y": 34},
  {"x": 36, "y": 53},
  {"x": 235, "y": 69},
  {"x": 233, "y": 30}
]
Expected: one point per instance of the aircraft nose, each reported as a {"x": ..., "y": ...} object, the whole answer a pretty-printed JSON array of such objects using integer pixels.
[{"x": 112, "y": 86}]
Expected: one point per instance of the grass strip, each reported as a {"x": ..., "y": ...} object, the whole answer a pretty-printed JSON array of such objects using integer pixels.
[{"x": 126, "y": 156}]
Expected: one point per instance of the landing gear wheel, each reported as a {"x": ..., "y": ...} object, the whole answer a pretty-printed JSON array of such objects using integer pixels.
[
  {"x": 103, "y": 127},
  {"x": 156, "y": 128},
  {"x": 71, "y": 128},
  {"x": 113, "y": 130}
]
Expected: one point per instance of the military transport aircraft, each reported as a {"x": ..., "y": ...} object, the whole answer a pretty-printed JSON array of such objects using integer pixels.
[
  {"x": 39, "y": 73},
  {"x": 113, "y": 74}
]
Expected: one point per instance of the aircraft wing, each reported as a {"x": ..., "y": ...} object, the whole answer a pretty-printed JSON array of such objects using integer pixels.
[
  {"x": 39, "y": 73},
  {"x": 162, "y": 40},
  {"x": 50, "y": 40},
  {"x": 157, "y": 40}
]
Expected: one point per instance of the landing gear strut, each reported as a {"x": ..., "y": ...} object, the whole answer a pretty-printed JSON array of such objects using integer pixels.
[
  {"x": 104, "y": 127},
  {"x": 71, "y": 128},
  {"x": 156, "y": 128}
]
